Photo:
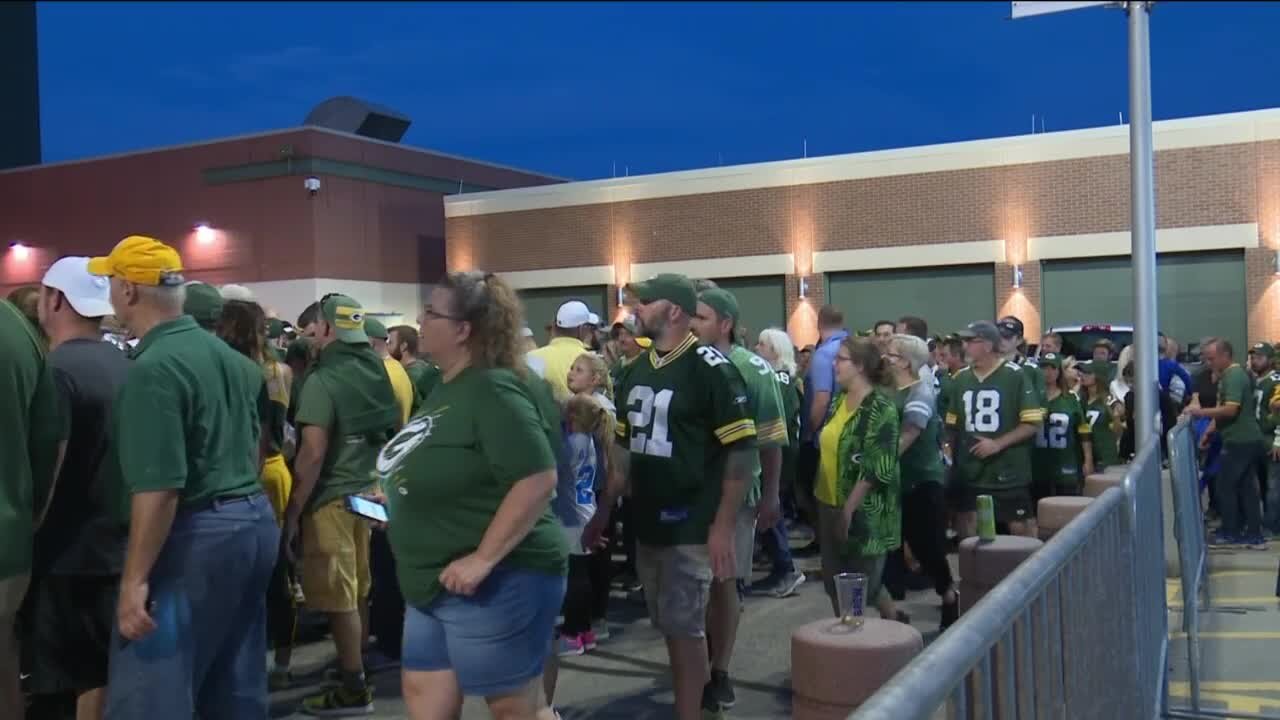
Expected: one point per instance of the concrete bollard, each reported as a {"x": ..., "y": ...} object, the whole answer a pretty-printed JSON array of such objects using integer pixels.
[
  {"x": 1097, "y": 483},
  {"x": 984, "y": 564},
  {"x": 1053, "y": 513},
  {"x": 835, "y": 667}
]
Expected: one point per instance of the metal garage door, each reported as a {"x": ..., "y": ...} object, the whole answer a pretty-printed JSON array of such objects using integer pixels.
[
  {"x": 762, "y": 301},
  {"x": 540, "y": 305},
  {"x": 1201, "y": 294},
  {"x": 948, "y": 298}
]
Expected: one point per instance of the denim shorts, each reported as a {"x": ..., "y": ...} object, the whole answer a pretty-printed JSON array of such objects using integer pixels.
[{"x": 495, "y": 641}]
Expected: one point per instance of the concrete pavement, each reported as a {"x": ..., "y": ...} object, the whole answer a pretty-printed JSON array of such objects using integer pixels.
[{"x": 627, "y": 677}]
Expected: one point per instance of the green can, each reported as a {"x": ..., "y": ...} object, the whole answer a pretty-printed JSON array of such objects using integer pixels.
[{"x": 986, "y": 518}]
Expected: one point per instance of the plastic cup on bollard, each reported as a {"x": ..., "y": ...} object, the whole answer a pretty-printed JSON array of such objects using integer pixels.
[{"x": 851, "y": 591}]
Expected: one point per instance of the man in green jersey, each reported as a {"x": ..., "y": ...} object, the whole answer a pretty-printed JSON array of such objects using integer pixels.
[
  {"x": 1236, "y": 422},
  {"x": 402, "y": 343},
  {"x": 686, "y": 440},
  {"x": 1012, "y": 345},
  {"x": 992, "y": 416},
  {"x": 1262, "y": 362},
  {"x": 715, "y": 325}
]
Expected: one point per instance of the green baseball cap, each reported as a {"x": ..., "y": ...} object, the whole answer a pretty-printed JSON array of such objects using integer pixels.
[
  {"x": 374, "y": 328},
  {"x": 1100, "y": 369},
  {"x": 1053, "y": 360},
  {"x": 204, "y": 303},
  {"x": 678, "y": 289},
  {"x": 1264, "y": 349},
  {"x": 347, "y": 318},
  {"x": 722, "y": 301},
  {"x": 275, "y": 328}
]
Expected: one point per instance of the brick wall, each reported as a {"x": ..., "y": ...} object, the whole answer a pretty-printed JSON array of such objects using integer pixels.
[{"x": 1212, "y": 185}]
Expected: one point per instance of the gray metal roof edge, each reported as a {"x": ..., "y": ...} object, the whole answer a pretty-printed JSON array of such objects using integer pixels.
[{"x": 269, "y": 133}]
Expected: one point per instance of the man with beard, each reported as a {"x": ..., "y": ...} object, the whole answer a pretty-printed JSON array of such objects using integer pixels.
[
  {"x": 685, "y": 440},
  {"x": 402, "y": 343}
]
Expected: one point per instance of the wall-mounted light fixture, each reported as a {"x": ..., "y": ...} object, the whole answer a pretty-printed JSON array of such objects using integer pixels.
[
  {"x": 1017, "y": 277},
  {"x": 620, "y": 294},
  {"x": 20, "y": 251},
  {"x": 1278, "y": 262},
  {"x": 804, "y": 288},
  {"x": 205, "y": 234}
]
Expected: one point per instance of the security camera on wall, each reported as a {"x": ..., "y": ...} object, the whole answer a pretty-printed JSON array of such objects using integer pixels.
[{"x": 312, "y": 184}]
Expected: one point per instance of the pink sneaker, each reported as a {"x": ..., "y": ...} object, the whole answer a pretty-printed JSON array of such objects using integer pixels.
[
  {"x": 588, "y": 640},
  {"x": 569, "y": 646}
]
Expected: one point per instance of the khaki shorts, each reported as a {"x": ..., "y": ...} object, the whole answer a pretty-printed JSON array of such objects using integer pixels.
[
  {"x": 677, "y": 587},
  {"x": 744, "y": 543},
  {"x": 335, "y": 559}
]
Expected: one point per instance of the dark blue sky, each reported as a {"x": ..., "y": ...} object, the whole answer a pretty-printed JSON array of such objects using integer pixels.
[{"x": 571, "y": 88}]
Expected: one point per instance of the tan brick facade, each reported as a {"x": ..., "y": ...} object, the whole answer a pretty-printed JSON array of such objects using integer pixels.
[{"x": 1196, "y": 186}]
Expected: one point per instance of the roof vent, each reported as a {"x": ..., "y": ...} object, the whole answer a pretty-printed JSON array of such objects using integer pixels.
[{"x": 356, "y": 116}]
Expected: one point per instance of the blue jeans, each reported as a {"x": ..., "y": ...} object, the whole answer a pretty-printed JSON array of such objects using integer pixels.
[
  {"x": 1238, "y": 490},
  {"x": 778, "y": 546},
  {"x": 1271, "y": 520},
  {"x": 208, "y": 589}
]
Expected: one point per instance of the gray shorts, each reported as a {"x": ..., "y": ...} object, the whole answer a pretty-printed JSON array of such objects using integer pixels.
[
  {"x": 744, "y": 543},
  {"x": 677, "y": 587}
]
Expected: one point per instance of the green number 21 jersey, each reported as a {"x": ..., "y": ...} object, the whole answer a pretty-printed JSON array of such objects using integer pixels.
[
  {"x": 679, "y": 414},
  {"x": 990, "y": 407}
]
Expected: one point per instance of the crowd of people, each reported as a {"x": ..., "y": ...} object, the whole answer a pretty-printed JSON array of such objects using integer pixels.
[{"x": 184, "y": 473}]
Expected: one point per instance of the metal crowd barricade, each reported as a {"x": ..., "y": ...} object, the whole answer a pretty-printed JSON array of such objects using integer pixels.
[
  {"x": 1188, "y": 530},
  {"x": 1078, "y": 630}
]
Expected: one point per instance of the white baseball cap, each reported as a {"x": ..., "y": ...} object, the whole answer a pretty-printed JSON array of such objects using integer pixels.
[
  {"x": 89, "y": 295},
  {"x": 593, "y": 319},
  {"x": 526, "y": 332},
  {"x": 573, "y": 314}
]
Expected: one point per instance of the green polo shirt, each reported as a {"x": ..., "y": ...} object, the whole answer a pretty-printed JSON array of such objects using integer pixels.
[
  {"x": 188, "y": 416},
  {"x": 1236, "y": 388},
  {"x": 34, "y": 424}
]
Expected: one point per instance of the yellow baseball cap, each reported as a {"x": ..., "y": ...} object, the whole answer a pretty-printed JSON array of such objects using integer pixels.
[{"x": 141, "y": 260}]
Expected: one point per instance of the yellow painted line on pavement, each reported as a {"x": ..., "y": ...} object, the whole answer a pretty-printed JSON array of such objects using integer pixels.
[
  {"x": 1234, "y": 702},
  {"x": 1230, "y": 635},
  {"x": 1222, "y": 601},
  {"x": 1229, "y": 686},
  {"x": 1240, "y": 573}
]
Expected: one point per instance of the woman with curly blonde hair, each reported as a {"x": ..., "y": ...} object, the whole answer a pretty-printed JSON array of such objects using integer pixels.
[{"x": 468, "y": 484}]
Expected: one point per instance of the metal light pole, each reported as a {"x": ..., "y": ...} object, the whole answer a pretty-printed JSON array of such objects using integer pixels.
[
  {"x": 1142, "y": 223},
  {"x": 1142, "y": 206}
]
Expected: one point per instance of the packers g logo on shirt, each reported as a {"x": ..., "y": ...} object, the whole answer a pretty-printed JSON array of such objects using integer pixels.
[{"x": 419, "y": 428}]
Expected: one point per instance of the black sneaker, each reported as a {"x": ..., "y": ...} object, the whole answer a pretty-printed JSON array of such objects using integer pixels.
[
  {"x": 721, "y": 690},
  {"x": 950, "y": 613},
  {"x": 710, "y": 708}
]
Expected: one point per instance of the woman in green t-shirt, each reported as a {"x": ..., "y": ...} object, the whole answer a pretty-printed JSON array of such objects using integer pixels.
[
  {"x": 859, "y": 476},
  {"x": 468, "y": 484},
  {"x": 1099, "y": 409}
]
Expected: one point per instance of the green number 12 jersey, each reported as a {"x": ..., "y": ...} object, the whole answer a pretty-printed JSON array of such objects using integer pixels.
[
  {"x": 679, "y": 414},
  {"x": 1058, "y": 454},
  {"x": 989, "y": 407}
]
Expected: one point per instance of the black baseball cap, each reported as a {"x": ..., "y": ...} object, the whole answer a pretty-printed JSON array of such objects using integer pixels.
[{"x": 1010, "y": 327}]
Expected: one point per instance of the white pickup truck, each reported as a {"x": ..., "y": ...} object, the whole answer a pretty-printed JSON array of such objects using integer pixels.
[{"x": 1078, "y": 340}]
